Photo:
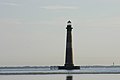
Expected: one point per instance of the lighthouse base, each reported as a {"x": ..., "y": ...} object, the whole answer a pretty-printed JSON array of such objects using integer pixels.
[{"x": 68, "y": 67}]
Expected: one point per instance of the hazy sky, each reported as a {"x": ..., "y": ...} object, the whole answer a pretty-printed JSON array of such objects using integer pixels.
[{"x": 32, "y": 32}]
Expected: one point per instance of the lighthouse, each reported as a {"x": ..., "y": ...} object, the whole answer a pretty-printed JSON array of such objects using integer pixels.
[{"x": 69, "y": 53}]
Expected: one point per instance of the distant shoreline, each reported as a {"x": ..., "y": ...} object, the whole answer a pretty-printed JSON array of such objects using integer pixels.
[
  {"x": 97, "y": 66},
  {"x": 59, "y": 73}
]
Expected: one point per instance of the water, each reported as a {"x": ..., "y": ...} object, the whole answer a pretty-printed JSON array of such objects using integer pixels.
[
  {"x": 59, "y": 76},
  {"x": 62, "y": 77},
  {"x": 54, "y": 70}
]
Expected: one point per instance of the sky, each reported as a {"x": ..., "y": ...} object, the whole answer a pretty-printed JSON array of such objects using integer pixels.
[{"x": 33, "y": 32}]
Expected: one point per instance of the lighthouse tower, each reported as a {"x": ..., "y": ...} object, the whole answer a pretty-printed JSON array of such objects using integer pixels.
[{"x": 69, "y": 53}]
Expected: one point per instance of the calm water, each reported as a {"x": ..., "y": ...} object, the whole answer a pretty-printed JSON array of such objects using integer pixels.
[{"x": 62, "y": 77}]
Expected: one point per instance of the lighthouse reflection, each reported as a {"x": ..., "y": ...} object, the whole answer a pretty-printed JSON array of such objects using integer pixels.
[{"x": 69, "y": 77}]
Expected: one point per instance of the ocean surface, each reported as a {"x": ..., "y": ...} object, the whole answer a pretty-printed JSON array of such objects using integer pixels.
[
  {"x": 55, "y": 70},
  {"x": 14, "y": 73},
  {"x": 62, "y": 77}
]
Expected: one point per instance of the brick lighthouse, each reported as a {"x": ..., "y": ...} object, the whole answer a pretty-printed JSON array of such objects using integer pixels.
[{"x": 69, "y": 53}]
